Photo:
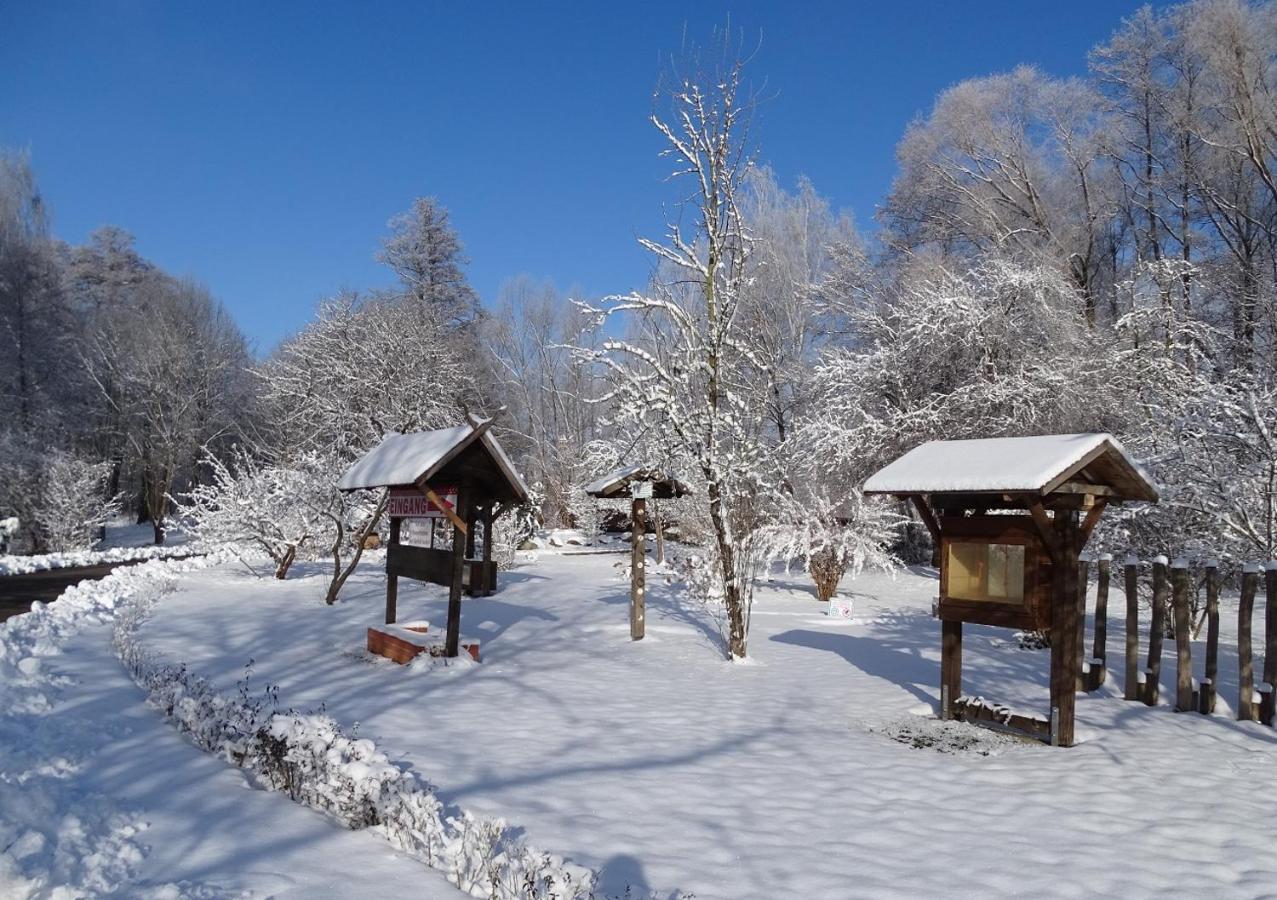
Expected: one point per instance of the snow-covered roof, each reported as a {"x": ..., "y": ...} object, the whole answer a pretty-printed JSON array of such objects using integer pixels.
[
  {"x": 402, "y": 459},
  {"x": 616, "y": 484},
  {"x": 1039, "y": 464}
]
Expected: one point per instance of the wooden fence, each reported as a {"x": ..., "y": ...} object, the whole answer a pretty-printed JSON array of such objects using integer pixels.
[{"x": 1177, "y": 582}]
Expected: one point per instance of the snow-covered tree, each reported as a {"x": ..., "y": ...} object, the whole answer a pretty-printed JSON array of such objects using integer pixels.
[
  {"x": 691, "y": 366},
  {"x": 74, "y": 504},
  {"x": 424, "y": 251}
]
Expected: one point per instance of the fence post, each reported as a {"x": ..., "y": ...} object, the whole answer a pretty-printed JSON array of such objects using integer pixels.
[
  {"x": 1153, "y": 671},
  {"x": 1183, "y": 651},
  {"x": 1268, "y": 702},
  {"x": 1099, "y": 651},
  {"x": 1132, "y": 573},
  {"x": 1245, "y": 650},
  {"x": 1083, "y": 576},
  {"x": 1206, "y": 697}
]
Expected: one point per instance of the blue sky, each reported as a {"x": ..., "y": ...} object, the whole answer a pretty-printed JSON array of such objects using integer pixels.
[{"x": 261, "y": 147}]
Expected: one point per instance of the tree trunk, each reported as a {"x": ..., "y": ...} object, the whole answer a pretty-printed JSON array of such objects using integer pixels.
[
  {"x": 339, "y": 574},
  {"x": 281, "y": 569}
]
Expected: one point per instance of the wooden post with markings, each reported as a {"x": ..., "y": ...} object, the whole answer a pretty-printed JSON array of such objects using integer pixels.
[
  {"x": 1245, "y": 649},
  {"x": 1131, "y": 571},
  {"x": 1184, "y": 699},
  {"x": 1156, "y": 633},
  {"x": 638, "y": 574},
  {"x": 1206, "y": 696}
]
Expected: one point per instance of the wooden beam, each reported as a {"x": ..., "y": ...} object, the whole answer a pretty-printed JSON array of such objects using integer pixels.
[
  {"x": 458, "y": 522},
  {"x": 1043, "y": 524},
  {"x": 928, "y": 517},
  {"x": 1081, "y": 487},
  {"x": 452, "y": 638},
  {"x": 1092, "y": 519},
  {"x": 1054, "y": 484}
]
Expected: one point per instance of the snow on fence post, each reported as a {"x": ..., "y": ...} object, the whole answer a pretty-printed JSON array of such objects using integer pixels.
[
  {"x": 1132, "y": 573},
  {"x": 1206, "y": 696},
  {"x": 1153, "y": 671},
  {"x": 1245, "y": 665},
  {"x": 1083, "y": 577},
  {"x": 1184, "y": 701},
  {"x": 1268, "y": 701}
]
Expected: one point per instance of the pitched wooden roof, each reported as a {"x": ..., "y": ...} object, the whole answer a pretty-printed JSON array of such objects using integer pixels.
[
  {"x": 423, "y": 456},
  {"x": 619, "y": 483},
  {"x": 1038, "y": 465}
]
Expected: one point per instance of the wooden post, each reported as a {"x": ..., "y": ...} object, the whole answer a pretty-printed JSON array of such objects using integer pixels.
[
  {"x": 1132, "y": 573},
  {"x": 1099, "y": 649},
  {"x": 1206, "y": 697},
  {"x": 1153, "y": 671},
  {"x": 1083, "y": 581},
  {"x": 950, "y": 667},
  {"x": 1184, "y": 700},
  {"x": 1268, "y": 700},
  {"x": 488, "y": 516},
  {"x": 1245, "y": 666},
  {"x": 452, "y": 640},
  {"x": 638, "y": 559},
  {"x": 392, "y": 581},
  {"x": 658, "y": 525},
  {"x": 1065, "y": 657}
]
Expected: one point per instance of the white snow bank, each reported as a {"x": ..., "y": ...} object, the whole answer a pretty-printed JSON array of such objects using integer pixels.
[{"x": 25, "y": 565}]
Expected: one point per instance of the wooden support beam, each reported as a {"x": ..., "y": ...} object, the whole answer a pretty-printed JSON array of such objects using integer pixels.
[
  {"x": 452, "y": 640},
  {"x": 927, "y": 516},
  {"x": 1065, "y": 657},
  {"x": 1268, "y": 702},
  {"x": 1081, "y": 487},
  {"x": 1083, "y": 582},
  {"x": 1245, "y": 648},
  {"x": 392, "y": 580},
  {"x": 1131, "y": 686},
  {"x": 1156, "y": 633},
  {"x": 1045, "y": 531},
  {"x": 1185, "y": 701},
  {"x": 458, "y": 522},
  {"x": 950, "y": 667},
  {"x": 1206, "y": 696},
  {"x": 1092, "y": 519},
  {"x": 1099, "y": 650}
]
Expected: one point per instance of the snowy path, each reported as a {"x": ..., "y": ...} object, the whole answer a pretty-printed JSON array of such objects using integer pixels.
[
  {"x": 665, "y": 767},
  {"x": 98, "y": 792}
]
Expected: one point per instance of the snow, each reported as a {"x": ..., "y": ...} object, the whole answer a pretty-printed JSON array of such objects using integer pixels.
[
  {"x": 601, "y": 484},
  {"x": 98, "y": 795},
  {"x": 815, "y": 771},
  {"x": 988, "y": 464},
  {"x": 23, "y": 565},
  {"x": 405, "y": 458}
]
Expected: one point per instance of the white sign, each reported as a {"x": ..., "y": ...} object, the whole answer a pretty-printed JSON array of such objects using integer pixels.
[
  {"x": 839, "y": 608},
  {"x": 641, "y": 490},
  {"x": 410, "y": 503}
]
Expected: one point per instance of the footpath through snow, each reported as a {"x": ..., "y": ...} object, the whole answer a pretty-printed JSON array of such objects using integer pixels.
[
  {"x": 99, "y": 795},
  {"x": 807, "y": 773}
]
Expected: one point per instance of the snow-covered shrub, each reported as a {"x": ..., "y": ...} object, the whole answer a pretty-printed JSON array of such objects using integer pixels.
[
  {"x": 249, "y": 502},
  {"x": 831, "y": 537},
  {"x": 74, "y": 503},
  {"x": 316, "y": 762}
]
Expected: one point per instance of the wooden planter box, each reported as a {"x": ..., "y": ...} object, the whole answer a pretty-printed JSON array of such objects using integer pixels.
[{"x": 404, "y": 643}]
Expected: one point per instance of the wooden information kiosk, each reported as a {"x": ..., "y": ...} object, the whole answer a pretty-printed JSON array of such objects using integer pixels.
[
  {"x": 1010, "y": 517},
  {"x": 458, "y": 477}
]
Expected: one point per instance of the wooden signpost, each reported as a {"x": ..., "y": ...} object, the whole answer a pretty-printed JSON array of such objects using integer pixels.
[
  {"x": 457, "y": 475},
  {"x": 1010, "y": 517},
  {"x": 639, "y": 484}
]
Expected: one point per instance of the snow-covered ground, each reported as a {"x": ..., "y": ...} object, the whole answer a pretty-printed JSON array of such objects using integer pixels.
[
  {"x": 99, "y": 795},
  {"x": 796, "y": 775}
]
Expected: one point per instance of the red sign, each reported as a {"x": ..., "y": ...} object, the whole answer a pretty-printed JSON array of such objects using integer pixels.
[{"x": 410, "y": 503}]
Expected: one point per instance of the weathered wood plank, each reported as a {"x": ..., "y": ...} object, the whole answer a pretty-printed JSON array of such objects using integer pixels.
[
  {"x": 1065, "y": 659},
  {"x": 1184, "y": 698},
  {"x": 968, "y": 709},
  {"x": 1131, "y": 687},
  {"x": 1206, "y": 696},
  {"x": 1245, "y": 650},
  {"x": 1156, "y": 633},
  {"x": 950, "y": 667}
]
